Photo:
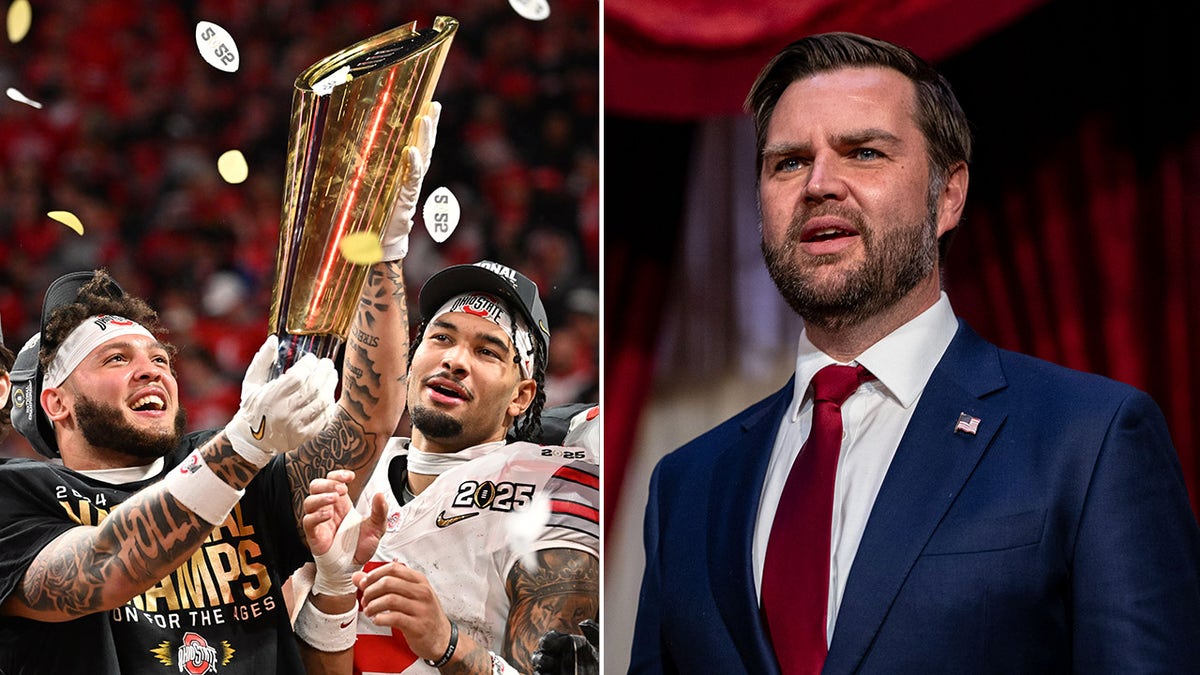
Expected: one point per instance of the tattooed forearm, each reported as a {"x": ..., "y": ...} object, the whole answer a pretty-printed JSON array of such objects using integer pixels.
[
  {"x": 475, "y": 660},
  {"x": 362, "y": 383},
  {"x": 228, "y": 464},
  {"x": 342, "y": 444},
  {"x": 91, "y": 569},
  {"x": 559, "y": 592},
  {"x": 372, "y": 398}
]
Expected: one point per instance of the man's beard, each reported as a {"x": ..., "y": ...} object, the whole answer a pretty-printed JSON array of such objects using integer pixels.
[
  {"x": 434, "y": 423},
  {"x": 103, "y": 426},
  {"x": 897, "y": 259}
]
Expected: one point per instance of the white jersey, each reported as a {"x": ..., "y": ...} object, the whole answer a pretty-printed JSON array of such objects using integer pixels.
[{"x": 467, "y": 530}]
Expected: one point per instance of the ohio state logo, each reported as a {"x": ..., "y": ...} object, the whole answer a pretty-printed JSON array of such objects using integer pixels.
[
  {"x": 195, "y": 656},
  {"x": 102, "y": 321}
]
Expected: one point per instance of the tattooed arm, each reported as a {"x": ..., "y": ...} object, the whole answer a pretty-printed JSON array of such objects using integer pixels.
[
  {"x": 559, "y": 592},
  {"x": 374, "y": 383},
  {"x": 91, "y": 569},
  {"x": 376, "y": 364}
]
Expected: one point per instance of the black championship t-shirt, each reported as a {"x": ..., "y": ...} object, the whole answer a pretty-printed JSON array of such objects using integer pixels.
[{"x": 220, "y": 612}]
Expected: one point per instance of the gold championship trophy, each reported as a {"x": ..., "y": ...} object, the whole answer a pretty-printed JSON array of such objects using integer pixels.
[{"x": 352, "y": 114}]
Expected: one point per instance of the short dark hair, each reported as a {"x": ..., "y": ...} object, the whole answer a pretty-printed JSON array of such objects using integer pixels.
[{"x": 938, "y": 114}]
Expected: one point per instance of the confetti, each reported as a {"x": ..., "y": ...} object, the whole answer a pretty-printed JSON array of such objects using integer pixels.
[
  {"x": 361, "y": 248},
  {"x": 69, "y": 219},
  {"x": 526, "y": 526},
  {"x": 338, "y": 77},
  {"x": 22, "y": 98},
  {"x": 217, "y": 47},
  {"x": 232, "y": 166},
  {"x": 20, "y": 17},
  {"x": 534, "y": 10},
  {"x": 441, "y": 214}
]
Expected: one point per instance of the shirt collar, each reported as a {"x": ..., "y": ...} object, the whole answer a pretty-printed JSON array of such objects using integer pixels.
[
  {"x": 902, "y": 361},
  {"x": 125, "y": 475}
]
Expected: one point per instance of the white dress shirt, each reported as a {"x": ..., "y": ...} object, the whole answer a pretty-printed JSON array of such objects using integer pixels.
[{"x": 873, "y": 419}]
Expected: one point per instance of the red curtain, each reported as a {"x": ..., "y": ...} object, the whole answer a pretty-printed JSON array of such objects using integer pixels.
[
  {"x": 684, "y": 59},
  {"x": 1088, "y": 259},
  {"x": 1082, "y": 230}
]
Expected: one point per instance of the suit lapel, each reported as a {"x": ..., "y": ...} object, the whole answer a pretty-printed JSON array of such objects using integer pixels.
[
  {"x": 733, "y": 509},
  {"x": 931, "y": 464}
]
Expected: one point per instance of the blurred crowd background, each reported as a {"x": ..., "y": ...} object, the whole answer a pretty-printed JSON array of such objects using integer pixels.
[{"x": 134, "y": 120}]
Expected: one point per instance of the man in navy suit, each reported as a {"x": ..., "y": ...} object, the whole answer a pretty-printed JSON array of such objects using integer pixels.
[{"x": 988, "y": 512}]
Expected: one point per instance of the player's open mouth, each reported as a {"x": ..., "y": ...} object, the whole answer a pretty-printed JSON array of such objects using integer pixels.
[
  {"x": 447, "y": 388},
  {"x": 447, "y": 391},
  {"x": 149, "y": 402}
]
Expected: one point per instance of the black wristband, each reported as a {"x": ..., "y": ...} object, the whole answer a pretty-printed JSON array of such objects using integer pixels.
[{"x": 449, "y": 648}]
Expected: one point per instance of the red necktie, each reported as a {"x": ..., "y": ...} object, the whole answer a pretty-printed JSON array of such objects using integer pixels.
[{"x": 795, "y": 588}]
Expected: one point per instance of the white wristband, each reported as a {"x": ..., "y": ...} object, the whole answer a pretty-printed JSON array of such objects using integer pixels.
[
  {"x": 326, "y": 632},
  {"x": 203, "y": 492}
]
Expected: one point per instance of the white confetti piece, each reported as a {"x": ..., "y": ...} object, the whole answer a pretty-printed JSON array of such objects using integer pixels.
[
  {"x": 338, "y": 77},
  {"x": 534, "y": 10},
  {"x": 524, "y": 528},
  {"x": 217, "y": 47},
  {"x": 22, "y": 98},
  {"x": 441, "y": 213}
]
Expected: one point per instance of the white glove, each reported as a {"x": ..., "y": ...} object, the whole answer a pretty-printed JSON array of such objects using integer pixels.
[
  {"x": 281, "y": 414},
  {"x": 415, "y": 163}
]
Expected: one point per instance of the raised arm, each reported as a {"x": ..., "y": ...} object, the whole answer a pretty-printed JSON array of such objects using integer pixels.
[
  {"x": 374, "y": 374},
  {"x": 375, "y": 367},
  {"x": 90, "y": 569}
]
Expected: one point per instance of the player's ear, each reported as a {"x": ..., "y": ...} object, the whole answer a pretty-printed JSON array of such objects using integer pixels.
[
  {"x": 522, "y": 397},
  {"x": 54, "y": 403}
]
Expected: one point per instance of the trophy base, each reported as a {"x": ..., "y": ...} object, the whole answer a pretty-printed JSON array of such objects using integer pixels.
[{"x": 292, "y": 347}]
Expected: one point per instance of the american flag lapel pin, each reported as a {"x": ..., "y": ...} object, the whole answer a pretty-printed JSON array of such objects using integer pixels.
[{"x": 967, "y": 424}]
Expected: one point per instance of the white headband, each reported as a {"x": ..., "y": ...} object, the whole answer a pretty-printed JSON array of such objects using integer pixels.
[
  {"x": 93, "y": 332},
  {"x": 489, "y": 307}
]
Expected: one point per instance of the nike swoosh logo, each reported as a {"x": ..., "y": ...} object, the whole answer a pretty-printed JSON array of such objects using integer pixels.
[
  {"x": 262, "y": 428},
  {"x": 443, "y": 521},
  {"x": 344, "y": 625}
]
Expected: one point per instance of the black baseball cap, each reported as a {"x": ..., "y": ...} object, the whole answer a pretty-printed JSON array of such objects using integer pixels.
[
  {"x": 27, "y": 416},
  {"x": 486, "y": 276}
]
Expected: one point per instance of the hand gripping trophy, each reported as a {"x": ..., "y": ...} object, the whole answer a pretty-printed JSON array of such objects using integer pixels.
[{"x": 352, "y": 115}]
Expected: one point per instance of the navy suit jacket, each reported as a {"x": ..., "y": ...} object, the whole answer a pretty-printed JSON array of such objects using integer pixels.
[{"x": 1057, "y": 538}]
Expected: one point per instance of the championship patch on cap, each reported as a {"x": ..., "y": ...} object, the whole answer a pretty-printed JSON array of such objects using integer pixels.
[{"x": 493, "y": 309}]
